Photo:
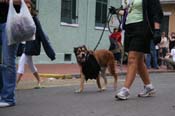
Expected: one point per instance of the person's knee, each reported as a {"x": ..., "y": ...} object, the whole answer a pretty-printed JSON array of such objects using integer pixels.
[{"x": 131, "y": 60}]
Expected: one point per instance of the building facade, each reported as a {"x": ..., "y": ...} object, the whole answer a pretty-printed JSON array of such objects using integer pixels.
[
  {"x": 71, "y": 23},
  {"x": 169, "y": 16}
]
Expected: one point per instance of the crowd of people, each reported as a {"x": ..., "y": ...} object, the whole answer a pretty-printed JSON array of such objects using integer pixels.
[{"x": 161, "y": 53}]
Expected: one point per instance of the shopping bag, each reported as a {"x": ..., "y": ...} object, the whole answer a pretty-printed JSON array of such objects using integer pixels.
[{"x": 20, "y": 26}]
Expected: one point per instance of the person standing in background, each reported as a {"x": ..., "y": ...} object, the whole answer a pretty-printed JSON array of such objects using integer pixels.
[
  {"x": 151, "y": 58},
  {"x": 116, "y": 44},
  {"x": 171, "y": 40},
  {"x": 170, "y": 59},
  {"x": 164, "y": 46}
]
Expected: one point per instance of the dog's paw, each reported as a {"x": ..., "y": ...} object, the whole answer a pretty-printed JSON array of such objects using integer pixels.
[
  {"x": 103, "y": 88},
  {"x": 78, "y": 91}
]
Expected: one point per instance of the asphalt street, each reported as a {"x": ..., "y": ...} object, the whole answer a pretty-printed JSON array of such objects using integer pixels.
[{"x": 62, "y": 101}]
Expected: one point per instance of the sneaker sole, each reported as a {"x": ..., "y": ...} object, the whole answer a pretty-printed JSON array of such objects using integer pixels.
[
  {"x": 121, "y": 97},
  {"x": 10, "y": 105},
  {"x": 150, "y": 94}
]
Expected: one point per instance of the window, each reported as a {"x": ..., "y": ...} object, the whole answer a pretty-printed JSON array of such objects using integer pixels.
[
  {"x": 69, "y": 11},
  {"x": 165, "y": 24},
  {"x": 67, "y": 57},
  {"x": 101, "y": 12}
]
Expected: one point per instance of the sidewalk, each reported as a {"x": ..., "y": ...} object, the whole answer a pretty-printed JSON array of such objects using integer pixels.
[
  {"x": 61, "y": 70},
  {"x": 65, "y": 75}
]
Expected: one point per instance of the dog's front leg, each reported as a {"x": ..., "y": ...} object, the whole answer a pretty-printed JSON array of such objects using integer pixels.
[
  {"x": 81, "y": 84},
  {"x": 98, "y": 83},
  {"x": 103, "y": 74}
]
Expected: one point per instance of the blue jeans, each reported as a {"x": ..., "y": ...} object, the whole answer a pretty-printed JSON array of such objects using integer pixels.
[
  {"x": 1, "y": 83},
  {"x": 152, "y": 57},
  {"x": 8, "y": 68}
]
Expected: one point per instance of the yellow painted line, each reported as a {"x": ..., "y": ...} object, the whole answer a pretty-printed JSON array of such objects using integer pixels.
[{"x": 57, "y": 76}]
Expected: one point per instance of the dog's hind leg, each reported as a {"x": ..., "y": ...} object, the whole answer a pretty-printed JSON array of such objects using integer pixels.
[
  {"x": 103, "y": 75},
  {"x": 115, "y": 81},
  {"x": 111, "y": 68}
]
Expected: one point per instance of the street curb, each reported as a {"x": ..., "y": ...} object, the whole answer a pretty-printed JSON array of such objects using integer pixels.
[
  {"x": 70, "y": 76},
  {"x": 57, "y": 76}
]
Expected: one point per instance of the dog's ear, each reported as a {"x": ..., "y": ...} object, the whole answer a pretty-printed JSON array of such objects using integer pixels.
[{"x": 84, "y": 47}]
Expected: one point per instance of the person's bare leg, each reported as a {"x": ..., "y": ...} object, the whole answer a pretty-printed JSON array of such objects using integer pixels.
[
  {"x": 19, "y": 77},
  {"x": 131, "y": 69},
  {"x": 37, "y": 78},
  {"x": 142, "y": 71}
]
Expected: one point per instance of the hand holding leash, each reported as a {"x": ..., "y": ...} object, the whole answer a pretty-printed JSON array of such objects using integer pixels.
[
  {"x": 118, "y": 11},
  {"x": 112, "y": 10}
]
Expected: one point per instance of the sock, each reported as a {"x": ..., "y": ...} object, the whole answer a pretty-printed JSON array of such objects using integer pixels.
[
  {"x": 149, "y": 86},
  {"x": 124, "y": 88}
]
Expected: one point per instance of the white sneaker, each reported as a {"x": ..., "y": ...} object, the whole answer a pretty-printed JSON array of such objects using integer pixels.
[
  {"x": 123, "y": 94},
  {"x": 6, "y": 104},
  {"x": 147, "y": 92}
]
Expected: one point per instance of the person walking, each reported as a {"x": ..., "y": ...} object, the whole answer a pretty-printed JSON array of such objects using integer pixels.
[
  {"x": 27, "y": 59},
  {"x": 142, "y": 24},
  {"x": 21, "y": 66},
  {"x": 7, "y": 93},
  {"x": 30, "y": 48}
]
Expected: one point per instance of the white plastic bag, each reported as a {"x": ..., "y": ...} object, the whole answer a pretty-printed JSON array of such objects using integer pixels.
[{"x": 20, "y": 26}]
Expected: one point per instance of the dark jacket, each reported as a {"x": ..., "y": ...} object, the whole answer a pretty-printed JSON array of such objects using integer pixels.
[
  {"x": 34, "y": 47},
  {"x": 152, "y": 12}
]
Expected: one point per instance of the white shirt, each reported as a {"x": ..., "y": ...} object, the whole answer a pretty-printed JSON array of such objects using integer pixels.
[
  {"x": 164, "y": 42},
  {"x": 173, "y": 54}
]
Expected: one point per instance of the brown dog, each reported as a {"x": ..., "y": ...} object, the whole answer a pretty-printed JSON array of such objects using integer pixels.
[{"x": 92, "y": 63}]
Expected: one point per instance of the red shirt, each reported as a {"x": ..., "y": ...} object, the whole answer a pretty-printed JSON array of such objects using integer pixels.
[{"x": 117, "y": 36}]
